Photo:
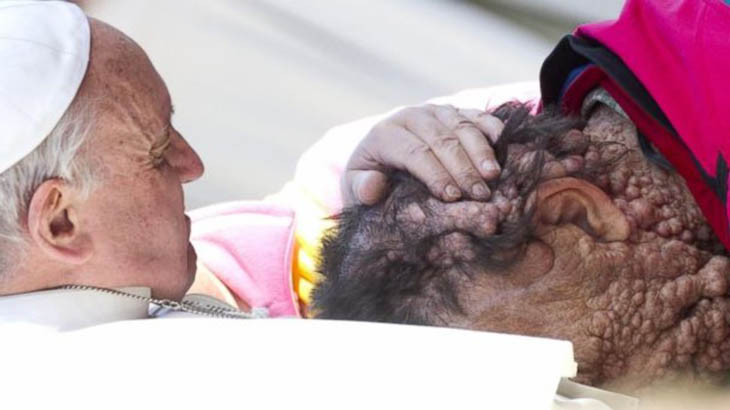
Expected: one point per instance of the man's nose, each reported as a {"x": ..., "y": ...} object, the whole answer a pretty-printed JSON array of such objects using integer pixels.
[{"x": 185, "y": 160}]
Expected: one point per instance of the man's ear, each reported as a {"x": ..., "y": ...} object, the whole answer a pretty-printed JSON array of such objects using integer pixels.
[
  {"x": 572, "y": 200},
  {"x": 53, "y": 223}
]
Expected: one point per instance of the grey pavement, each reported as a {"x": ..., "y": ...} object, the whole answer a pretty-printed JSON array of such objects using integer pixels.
[{"x": 255, "y": 82}]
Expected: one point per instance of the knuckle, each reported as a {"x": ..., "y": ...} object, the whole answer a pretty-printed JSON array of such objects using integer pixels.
[
  {"x": 491, "y": 120},
  {"x": 447, "y": 143},
  {"x": 446, "y": 108},
  {"x": 409, "y": 110},
  {"x": 469, "y": 112},
  {"x": 417, "y": 149},
  {"x": 378, "y": 129},
  {"x": 473, "y": 133},
  {"x": 485, "y": 115},
  {"x": 465, "y": 125}
]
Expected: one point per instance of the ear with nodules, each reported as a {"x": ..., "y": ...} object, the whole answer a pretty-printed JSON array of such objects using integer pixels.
[
  {"x": 576, "y": 201},
  {"x": 54, "y": 226}
]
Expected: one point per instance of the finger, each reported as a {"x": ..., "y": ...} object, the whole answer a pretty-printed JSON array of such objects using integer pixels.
[
  {"x": 366, "y": 187},
  {"x": 446, "y": 146},
  {"x": 474, "y": 141},
  {"x": 487, "y": 123},
  {"x": 480, "y": 152},
  {"x": 413, "y": 155}
]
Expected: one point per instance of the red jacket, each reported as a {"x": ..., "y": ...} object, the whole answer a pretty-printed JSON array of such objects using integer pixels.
[{"x": 665, "y": 62}]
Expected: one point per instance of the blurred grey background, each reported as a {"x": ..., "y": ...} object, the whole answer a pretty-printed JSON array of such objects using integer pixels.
[{"x": 255, "y": 82}]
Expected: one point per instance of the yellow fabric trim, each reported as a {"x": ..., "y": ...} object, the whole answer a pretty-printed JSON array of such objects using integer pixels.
[
  {"x": 307, "y": 267},
  {"x": 305, "y": 290},
  {"x": 312, "y": 222},
  {"x": 304, "y": 275}
]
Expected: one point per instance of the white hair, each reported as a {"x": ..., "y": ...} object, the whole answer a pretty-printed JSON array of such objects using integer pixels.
[{"x": 58, "y": 156}]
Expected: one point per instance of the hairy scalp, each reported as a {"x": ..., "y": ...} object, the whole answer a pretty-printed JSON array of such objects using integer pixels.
[{"x": 405, "y": 259}]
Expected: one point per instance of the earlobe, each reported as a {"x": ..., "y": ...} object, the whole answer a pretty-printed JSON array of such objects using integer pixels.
[
  {"x": 572, "y": 200},
  {"x": 54, "y": 226}
]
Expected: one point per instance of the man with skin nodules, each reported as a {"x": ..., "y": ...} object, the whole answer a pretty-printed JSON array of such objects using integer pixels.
[
  {"x": 600, "y": 247},
  {"x": 612, "y": 234}
]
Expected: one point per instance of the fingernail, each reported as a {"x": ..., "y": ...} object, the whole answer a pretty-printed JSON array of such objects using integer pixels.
[
  {"x": 479, "y": 190},
  {"x": 453, "y": 192},
  {"x": 490, "y": 166}
]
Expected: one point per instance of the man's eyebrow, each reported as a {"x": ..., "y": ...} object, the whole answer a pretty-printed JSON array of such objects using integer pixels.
[
  {"x": 163, "y": 137},
  {"x": 162, "y": 141},
  {"x": 166, "y": 130}
]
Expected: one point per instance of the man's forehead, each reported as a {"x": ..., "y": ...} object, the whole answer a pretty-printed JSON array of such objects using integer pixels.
[{"x": 125, "y": 84}]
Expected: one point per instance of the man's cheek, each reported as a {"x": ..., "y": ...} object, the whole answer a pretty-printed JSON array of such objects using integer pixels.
[{"x": 516, "y": 317}]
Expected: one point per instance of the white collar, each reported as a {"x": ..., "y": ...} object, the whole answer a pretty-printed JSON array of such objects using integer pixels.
[{"x": 69, "y": 309}]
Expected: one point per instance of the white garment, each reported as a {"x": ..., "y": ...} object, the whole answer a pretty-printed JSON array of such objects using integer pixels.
[
  {"x": 576, "y": 396},
  {"x": 71, "y": 309}
]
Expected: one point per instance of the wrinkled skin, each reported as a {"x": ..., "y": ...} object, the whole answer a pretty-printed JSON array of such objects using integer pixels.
[
  {"x": 131, "y": 229},
  {"x": 652, "y": 306},
  {"x": 642, "y": 294}
]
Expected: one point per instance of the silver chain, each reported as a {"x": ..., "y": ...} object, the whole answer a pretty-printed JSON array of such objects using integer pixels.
[{"x": 186, "y": 306}]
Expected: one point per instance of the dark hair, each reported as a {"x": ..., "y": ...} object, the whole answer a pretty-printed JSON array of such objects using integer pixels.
[{"x": 381, "y": 264}]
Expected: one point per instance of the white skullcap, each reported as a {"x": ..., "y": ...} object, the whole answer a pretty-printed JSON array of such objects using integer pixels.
[{"x": 44, "y": 51}]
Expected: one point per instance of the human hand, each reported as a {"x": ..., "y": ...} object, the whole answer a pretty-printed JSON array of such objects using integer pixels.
[{"x": 446, "y": 148}]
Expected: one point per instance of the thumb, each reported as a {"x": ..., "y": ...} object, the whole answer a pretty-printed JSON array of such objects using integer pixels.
[{"x": 364, "y": 187}]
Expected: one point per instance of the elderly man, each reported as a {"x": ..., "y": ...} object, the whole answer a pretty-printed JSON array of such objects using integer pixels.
[
  {"x": 591, "y": 235},
  {"x": 92, "y": 227}
]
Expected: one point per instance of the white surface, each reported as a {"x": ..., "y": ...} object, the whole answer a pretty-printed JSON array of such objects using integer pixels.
[
  {"x": 278, "y": 364},
  {"x": 44, "y": 50}
]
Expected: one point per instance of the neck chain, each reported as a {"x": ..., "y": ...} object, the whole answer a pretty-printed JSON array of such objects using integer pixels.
[{"x": 187, "y": 306}]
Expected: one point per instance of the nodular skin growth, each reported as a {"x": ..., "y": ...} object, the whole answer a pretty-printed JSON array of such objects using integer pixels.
[{"x": 619, "y": 260}]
